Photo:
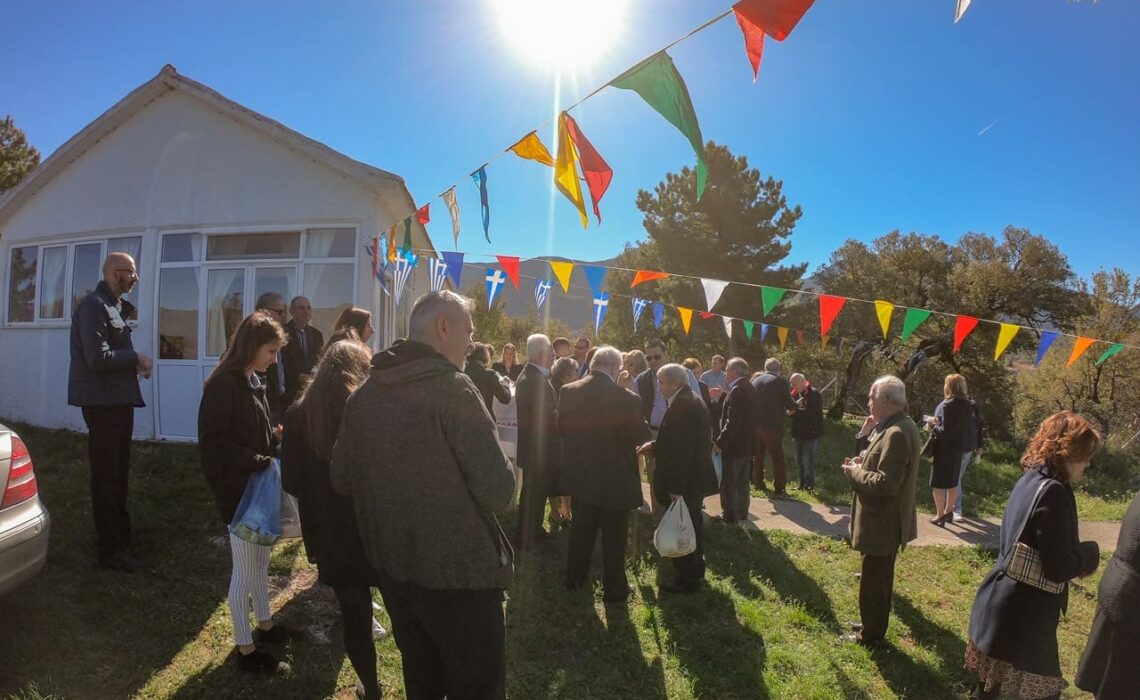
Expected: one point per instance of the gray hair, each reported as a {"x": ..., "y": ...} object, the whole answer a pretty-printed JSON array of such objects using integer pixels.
[
  {"x": 564, "y": 366},
  {"x": 738, "y": 365},
  {"x": 674, "y": 374},
  {"x": 890, "y": 388},
  {"x": 538, "y": 345},
  {"x": 430, "y": 307},
  {"x": 606, "y": 359},
  {"x": 797, "y": 377},
  {"x": 268, "y": 299},
  {"x": 772, "y": 365}
]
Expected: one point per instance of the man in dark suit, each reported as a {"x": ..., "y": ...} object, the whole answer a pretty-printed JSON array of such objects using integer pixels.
[
  {"x": 684, "y": 467},
  {"x": 734, "y": 441},
  {"x": 538, "y": 445},
  {"x": 300, "y": 354},
  {"x": 773, "y": 404},
  {"x": 273, "y": 305},
  {"x": 601, "y": 427}
]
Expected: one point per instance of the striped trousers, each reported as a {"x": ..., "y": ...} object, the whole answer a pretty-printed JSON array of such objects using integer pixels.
[{"x": 249, "y": 579}]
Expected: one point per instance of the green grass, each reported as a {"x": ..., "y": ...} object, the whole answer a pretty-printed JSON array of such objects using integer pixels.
[{"x": 765, "y": 627}]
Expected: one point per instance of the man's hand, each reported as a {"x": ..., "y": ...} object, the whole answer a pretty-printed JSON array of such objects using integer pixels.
[
  {"x": 715, "y": 392},
  {"x": 716, "y": 449},
  {"x": 673, "y": 497},
  {"x": 646, "y": 449},
  {"x": 144, "y": 365},
  {"x": 868, "y": 424}
]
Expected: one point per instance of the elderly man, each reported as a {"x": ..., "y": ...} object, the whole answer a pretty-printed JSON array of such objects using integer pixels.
[
  {"x": 684, "y": 467},
  {"x": 300, "y": 354},
  {"x": 773, "y": 404},
  {"x": 882, "y": 509},
  {"x": 716, "y": 378},
  {"x": 601, "y": 428},
  {"x": 538, "y": 447},
  {"x": 273, "y": 304},
  {"x": 103, "y": 382},
  {"x": 419, "y": 455},
  {"x": 734, "y": 442},
  {"x": 807, "y": 427}
]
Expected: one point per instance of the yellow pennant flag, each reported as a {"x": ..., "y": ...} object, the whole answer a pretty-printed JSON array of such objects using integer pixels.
[
  {"x": 531, "y": 148},
  {"x": 782, "y": 333},
  {"x": 686, "y": 318},
  {"x": 1079, "y": 348},
  {"x": 566, "y": 170},
  {"x": 392, "y": 243},
  {"x": 823, "y": 340},
  {"x": 884, "y": 309},
  {"x": 1005, "y": 337},
  {"x": 562, "y": 271}
]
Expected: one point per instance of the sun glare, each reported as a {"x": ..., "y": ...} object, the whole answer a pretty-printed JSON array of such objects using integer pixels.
[{"x": 562, "y": 35}]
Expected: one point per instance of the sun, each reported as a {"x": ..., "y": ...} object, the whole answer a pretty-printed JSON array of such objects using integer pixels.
[{"x": 562, "y": 35}]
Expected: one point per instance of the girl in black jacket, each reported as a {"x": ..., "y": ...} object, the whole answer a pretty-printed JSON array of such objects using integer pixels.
[{"x": 236, "y": 440}]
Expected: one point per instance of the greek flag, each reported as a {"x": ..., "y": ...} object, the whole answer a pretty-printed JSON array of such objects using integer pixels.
[
  {"x": 601, "y": 302},
  {"x": 437, "y": 269},
  {"x": 638, "y": 306},
  {"x": 405, "y": 263},
  {"x": 541, "y": 289}
]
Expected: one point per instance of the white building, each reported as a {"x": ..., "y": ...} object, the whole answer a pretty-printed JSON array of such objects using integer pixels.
[{"x": 217, "y": 204}]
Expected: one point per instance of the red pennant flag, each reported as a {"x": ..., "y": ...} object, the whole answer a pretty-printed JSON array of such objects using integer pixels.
[
  {"x": 707, "y": 315},
  {"x": 510, "y": 265},
  {"x": 776, "y": 17},
  {"x": 422, "y": 214},
  {"x": 598, "y": 173},
  {"x": 962, "y": 328},
  {"x": 753, "y": 41},
  {"x": 800, "y": 337},
  {"x": 829, "y": 307},
  {"x": 647, "y": 276}
]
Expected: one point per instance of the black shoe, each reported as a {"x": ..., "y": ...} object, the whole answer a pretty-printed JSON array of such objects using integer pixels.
[
  {"x": 675, "y": 588},
  {"x": 618, "y": 598},
  {"x": 120, "y": 561},
  {"x": 258, "y": 661},
  {"x": 277, "y": 634}
]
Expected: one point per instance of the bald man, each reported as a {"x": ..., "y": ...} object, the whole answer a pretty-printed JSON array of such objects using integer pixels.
[{"x": 103, "y": 382}]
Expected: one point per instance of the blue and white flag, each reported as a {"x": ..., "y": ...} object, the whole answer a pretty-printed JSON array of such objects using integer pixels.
[
  {"x": 541, "y": 289},
  {"x": 378, "y": 261},
  {"x": 638, "y": 306},
  {"x": 437, "y": 270},
  {"x": 402, "y": 270},
  {"x": 495, "y": 279},
  {"x": 601, "y": 303},
  {"x": 658, "y": 314}
]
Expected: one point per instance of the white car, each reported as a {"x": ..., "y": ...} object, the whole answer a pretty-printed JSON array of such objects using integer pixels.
[{"x": 24, "y": 522}]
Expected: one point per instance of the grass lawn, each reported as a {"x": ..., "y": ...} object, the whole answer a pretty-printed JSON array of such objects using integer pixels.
[{"x": 765, "y": 626}]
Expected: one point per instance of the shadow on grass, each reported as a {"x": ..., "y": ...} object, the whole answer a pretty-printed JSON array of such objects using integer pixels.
[{"x": 903, "y": 673}]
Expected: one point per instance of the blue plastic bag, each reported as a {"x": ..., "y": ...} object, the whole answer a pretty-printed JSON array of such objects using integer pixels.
[{"x": 258, "y": 515}]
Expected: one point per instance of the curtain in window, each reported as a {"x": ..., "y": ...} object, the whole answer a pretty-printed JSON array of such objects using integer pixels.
[
  {"x": 223, "y": 304},
  {"x": 52, "y": 289}
]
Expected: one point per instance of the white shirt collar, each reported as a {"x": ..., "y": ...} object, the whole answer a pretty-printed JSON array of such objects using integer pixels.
[
  {"x": 545, "y": 370},
  {"x": 669, "y": 401}
]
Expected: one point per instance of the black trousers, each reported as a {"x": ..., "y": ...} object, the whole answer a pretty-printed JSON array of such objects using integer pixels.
[
  {"x": 532, "y": 504},
  {"x": 614, "y": 524},
  {"x": 109, "y": 431},
  {"x": 735, "y": 497},
  {"x": 876, "y": 586},
  {"x": 452, "y": 642},
  {"x": 690, "y": 569},
  {"x": 356, "y": 616}
]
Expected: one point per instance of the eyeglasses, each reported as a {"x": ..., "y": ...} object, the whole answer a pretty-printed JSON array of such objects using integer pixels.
[{"x": 134, "y": 273}]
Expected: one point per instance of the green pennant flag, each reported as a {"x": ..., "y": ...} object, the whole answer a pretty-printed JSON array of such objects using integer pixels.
[
  {"x": 406, "y": 248},
  {"x": 1117, "y": 347},
  {"x": 771, "y": 297},
  {"x": 748, "y": 328},
  {"x": 657, "y": 81},
  {"x": 912, "y": 320}
]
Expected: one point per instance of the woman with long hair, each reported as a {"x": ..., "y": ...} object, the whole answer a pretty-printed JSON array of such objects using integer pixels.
[
  {"x": 491, "y": 384},
  {"x": 509, "y": 365},
  {"x": 952, "y": 431},
  {"x": 236, "y": 440},
  {"x": 1013, "y": 626},
  {"x": 329, "y": 524},
  {"x": 356, "y": 318}
]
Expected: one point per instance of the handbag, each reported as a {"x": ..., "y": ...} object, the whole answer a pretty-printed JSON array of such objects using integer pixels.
[
  {"x": 930, "y": 445},
  {"x": 258, "y": 515},
  {"x": 675, "y": 536},
  {"x": 1023, "y": 563}
]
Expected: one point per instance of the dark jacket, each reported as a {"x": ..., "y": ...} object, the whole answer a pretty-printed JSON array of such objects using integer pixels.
[
  {"x": 601, "y": 428},
  {"x": 275, "y": 390},
  {"x": 736, "y": 432},
  {"x": 327, "y": 519},
  {"x": 419, "y": 455},
  {"x": 234, "y": 437},
  {"x": 299, "y": 357},
  {"x": 1015, "y": 622},
  {"x": 883, "y": 519},
  {"x": 683, "y": 452},
  {"x": 104, "y": 364},
  {"x": 1119, "y": 593},
  {"x": 512, "y": 373},
  {"x": 773, "y": 400},
  {"x": 539, "y": 447},
  {"x": 646, "y": 383},
  {"x": 954, "y": 430},
  {"x": 490, "y": 385},
  {"x": 807, "y": 422}
]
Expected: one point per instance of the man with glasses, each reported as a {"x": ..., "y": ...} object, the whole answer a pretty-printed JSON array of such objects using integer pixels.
[
  {"x": 103, "y": 382},
  {"x": 581, "y": 347},
  {"x": 273, "y": 304},
  {"x": 304, "y": 347}
]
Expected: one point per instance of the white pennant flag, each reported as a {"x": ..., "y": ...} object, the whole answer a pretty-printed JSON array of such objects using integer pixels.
[
  {"x": 437, "y": 269},
  {"x": 404, "y": 265},
  {"x": 496, "y": 278},
  {"x": 453, "y": 209},
  {"x": 601, "y": 302},
  {"x": 638, "y": 307},
  {"x": 713, "y": 290},
  {"x": 541, "y": 289},
  {"x": 727, "y": 326},
  {"x": 963, "y": 5}
]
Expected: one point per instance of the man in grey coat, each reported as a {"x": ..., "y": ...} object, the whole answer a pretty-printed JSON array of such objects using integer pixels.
[{"x": 419, "y": 455}]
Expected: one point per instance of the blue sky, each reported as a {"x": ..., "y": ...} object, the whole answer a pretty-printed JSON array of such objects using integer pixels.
[{"x": 869, "y": 112}]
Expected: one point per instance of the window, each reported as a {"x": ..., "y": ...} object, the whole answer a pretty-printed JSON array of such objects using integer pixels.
[
  {"x": 253, "y": 245},
  {"x": 330, "y": 243},
  {"x": 181, "y": 247},
  {"x": 53, "y": 276},
  {"x": 329, "y": 289},
  {"x": 22, "y": 285},
  {"x": 225, "y": 299},
  {"x": 178, "y": 314},
  {"x": 86, "y": 271}
]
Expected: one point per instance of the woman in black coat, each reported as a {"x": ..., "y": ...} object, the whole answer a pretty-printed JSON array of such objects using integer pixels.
[
  {"x": 1110, "y": 667},
  {"x": 509, "y": 366},
  {"x": 1013, "y": 626},
  {"x": 951, "y": 431},
  {"x": 489, "y": 382},
  {"x": 327, "y": 519}
]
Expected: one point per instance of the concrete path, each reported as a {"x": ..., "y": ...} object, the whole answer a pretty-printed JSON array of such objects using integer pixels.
[{"x": 800, "y": 517}]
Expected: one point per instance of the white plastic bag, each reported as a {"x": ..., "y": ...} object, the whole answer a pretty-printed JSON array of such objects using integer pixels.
[
  {"x": 674, "y": 536},
  {"x": 290, "y": 517}
]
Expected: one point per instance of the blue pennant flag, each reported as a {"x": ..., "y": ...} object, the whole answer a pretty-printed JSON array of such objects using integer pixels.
[
  {"x": 437, "y": 271},
  {"x": 541, "y": 289},
  {"x": 379, "y": 262},
  {"x": 638, "y": 307},
  {"x": 454, "y": 267},
  {"x": 658, "y": 314},
  {"x": 595, "y": 276},
  {"x": 1047, "y": 339},
  {"x": 495, "y": 280},
  {"x": 763, "y": 331},
  {"x": 601, "y": 303},
  {"x": 402, "y": 270},
  {"x": 480, "y": 178}
]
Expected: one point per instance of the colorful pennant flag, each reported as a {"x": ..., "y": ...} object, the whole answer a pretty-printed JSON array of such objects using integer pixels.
[
  {"x": 601, "y": 303},
  {"x": 595, "y": 276},
  {"x": 913, "y": 319},
  {"x": 402, "y": 271},
  {"x": 963, "y": 326},
  {"x": 495, "y": 279},
  {"x": 1115, "y": 348},
  {"x": 771, "y": 296},
  {"x": 406, "y": 246},
  {"x": 392, "y": 243},
  {"x": 1079, "y": 346},
  {"x": 437, "y": 273},
  {"x": 706, "y": 315},
  {"x": 960, "y": 10},
  {"x": 748, "y": 327},
  {"x": 454, "y": 267},
  {"x": 531, "y": 147},
  {"x": 799, "y": 338},
  {"x": 566, "y": 170},
  {"x": 638, "y": 307},
  {"x": 1047, "y": 339},
  {"x": 884, "y": 309},
  {"x": 1005, "y": 337},
  {"x": 510, "y": 265},
  {"x": 686, "y": 318},
  {"x": 823, "y": 340},
  {"x": 423, "y": 214},
  {"x": 753, "y": 41},
  {"x": 647, "y": 276},
  {"x": 541, "y": 290},
  {"x": 379, "y": 261},
  {"x": 453, "y": 209},
  {"x": 562, "y": 271},
  {"x": 713, "y": 290},
  {"x": 597, "y": 172},
  {"x": 782, "y": 334},
  {"x": 658, "y": 315},
  {"x": 480, "y": 178},
  {"x": 657, "y": 81},
  {"x": 777, "y": 18},
  {"x": 727, "y": 326},
  {"x": 829, "y": 307},
  {"x": 763, "y": 331}
]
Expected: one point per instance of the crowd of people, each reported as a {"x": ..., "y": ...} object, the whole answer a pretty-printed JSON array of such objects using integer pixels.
[{"x": 400, "y": 479}]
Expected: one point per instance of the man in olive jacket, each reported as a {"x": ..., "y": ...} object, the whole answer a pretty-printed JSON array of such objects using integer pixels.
[
  {"x": 883, "y": 519},
  {"x": 419, "y": 455}
]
